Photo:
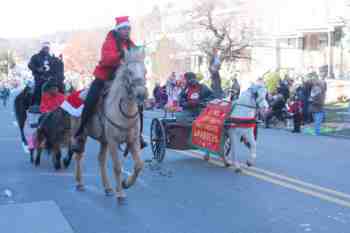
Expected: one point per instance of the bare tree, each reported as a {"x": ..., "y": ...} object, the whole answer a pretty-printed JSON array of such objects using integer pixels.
[
  {"x": 226, "y": 35},
  {"x": 81, "y": 52}
]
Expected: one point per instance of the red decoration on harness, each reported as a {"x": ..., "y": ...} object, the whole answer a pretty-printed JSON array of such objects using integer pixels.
[{"x": 242, "y": 122}]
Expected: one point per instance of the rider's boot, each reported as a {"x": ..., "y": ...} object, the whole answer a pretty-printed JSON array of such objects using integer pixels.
[{"x": 90, "y": 103}]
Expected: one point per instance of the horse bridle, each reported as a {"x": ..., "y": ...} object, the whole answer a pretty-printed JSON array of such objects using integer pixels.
[{"x": 128, "y": 86}]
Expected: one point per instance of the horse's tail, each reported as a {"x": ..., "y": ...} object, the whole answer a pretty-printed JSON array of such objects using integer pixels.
[{"x": 20, "y": 106}]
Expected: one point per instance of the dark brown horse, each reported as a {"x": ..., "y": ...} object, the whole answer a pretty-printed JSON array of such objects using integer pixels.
[{"x": 22, "y": 103}]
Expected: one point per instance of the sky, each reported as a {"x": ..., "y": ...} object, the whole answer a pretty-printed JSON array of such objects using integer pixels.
[{"x": 33, "y": 18}]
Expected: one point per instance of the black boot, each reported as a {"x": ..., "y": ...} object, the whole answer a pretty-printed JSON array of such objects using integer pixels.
[{"x": 90, "y": 103}]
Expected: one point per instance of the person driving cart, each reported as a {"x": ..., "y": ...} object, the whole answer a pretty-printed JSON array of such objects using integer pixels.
[{"x": 195, "y": 95}]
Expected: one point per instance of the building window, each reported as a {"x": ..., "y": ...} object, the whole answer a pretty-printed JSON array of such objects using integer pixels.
[
  {"x": 315, "y": 41},
  {"x": 323, "y": 38},
  {"x": 289, "y": 43},
  {"x": 338, "y": 36}
]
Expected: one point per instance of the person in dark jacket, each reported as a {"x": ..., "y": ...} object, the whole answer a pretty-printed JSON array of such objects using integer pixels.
[
  {"x": 40, "y": 66},
  {"x": 57, "y": 71},
  {"x": 283, "y": 89},
  {"x": 307, "y": 86},
  {"x": 278, "y": 102},
  {"x": 195, "y": 95}
]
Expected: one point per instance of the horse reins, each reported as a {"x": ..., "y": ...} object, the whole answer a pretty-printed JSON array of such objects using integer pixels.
[{"x": 124, "y": 114}]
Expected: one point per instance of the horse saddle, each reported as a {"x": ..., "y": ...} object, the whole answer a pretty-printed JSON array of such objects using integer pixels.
[
  {"x": 34, "y": 115},
  {"x": 105, "y": 91}
]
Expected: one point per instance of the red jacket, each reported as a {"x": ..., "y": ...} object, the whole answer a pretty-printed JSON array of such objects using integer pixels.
[
  {"x": 110, "y": 57},
  {"x": 296, "y": 107}
]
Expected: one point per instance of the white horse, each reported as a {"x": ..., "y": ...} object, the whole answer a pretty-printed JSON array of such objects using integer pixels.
[{"x": 242, "y": 120}]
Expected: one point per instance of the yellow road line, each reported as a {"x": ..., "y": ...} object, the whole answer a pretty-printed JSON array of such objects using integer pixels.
[
  {"x": 302, "y": 183},
  {"x": 294, "y": 181},
  {"x": 278, "y": 182},
  {"x": 281, "y": 180}
]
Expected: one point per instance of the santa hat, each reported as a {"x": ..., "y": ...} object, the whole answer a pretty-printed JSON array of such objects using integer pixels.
[
  {"x": 122, "y": 21},
  {"x": 45, "y": 44}
]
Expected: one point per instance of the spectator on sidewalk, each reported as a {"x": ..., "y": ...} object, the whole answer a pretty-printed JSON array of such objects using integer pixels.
[
  {"x": 306, "y": 90},
  {"x": 296, "y": 108},
  {"x": 317, "y": 101}
]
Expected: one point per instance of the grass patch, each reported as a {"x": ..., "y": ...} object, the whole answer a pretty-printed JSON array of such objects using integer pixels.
[
  {"x": 343, "y": 133},
  {"x": 337, "y": 106}
]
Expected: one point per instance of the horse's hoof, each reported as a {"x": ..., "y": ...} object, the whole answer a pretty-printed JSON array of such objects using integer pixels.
[
  {"x": 250, "y": 163},
  {"x": 238, "y": 170},
  {"x": 109, "y": 192},
  {"x": 125, "y": 185},
  {"x": 58, "y": 166},
  {"x": 80, "y": 188},
  {"x": 37, "y": 163},
  {"x": 121, "y": 200},
  {"x": 66, "y": 163},
  {"x": 121, "y": 197}
]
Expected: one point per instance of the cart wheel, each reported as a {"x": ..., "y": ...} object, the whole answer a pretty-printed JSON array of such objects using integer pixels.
[{"x": 158, "y": 140}]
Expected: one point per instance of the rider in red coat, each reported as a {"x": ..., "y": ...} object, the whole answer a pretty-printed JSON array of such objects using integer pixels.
[{"x": 112, "y": 54}]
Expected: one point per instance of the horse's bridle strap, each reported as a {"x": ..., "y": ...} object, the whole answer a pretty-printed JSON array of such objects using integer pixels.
[
  {"x": 115, "y": 125},
  {"x": 124, "y": 113}
]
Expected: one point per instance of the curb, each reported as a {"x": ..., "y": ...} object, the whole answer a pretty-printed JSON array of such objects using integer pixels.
[{"x": 322, "y": 135}]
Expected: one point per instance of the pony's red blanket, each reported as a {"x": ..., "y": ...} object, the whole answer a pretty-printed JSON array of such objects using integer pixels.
[
  {"x": 75, "y": 100},
  {"x": 207, "y": 129},
  {"x": 50, "y": 102}
]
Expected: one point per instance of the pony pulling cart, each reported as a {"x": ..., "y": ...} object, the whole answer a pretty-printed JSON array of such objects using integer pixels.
[{"x": 214, "y": 130}]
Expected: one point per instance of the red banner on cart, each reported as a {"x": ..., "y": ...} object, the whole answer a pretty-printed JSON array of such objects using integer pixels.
[{"x": 207, "y": 129}]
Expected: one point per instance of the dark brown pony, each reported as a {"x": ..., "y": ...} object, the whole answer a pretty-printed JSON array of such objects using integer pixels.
[
  {"x": 54, "y": 129},
  {"x": 54, "y": 133}
]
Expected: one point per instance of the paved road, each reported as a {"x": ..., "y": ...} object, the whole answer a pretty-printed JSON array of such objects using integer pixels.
[{"x": 300, "y": 185}]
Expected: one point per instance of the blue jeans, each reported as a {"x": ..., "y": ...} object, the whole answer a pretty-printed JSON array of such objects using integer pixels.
[{"x": 318, "y": 118}]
